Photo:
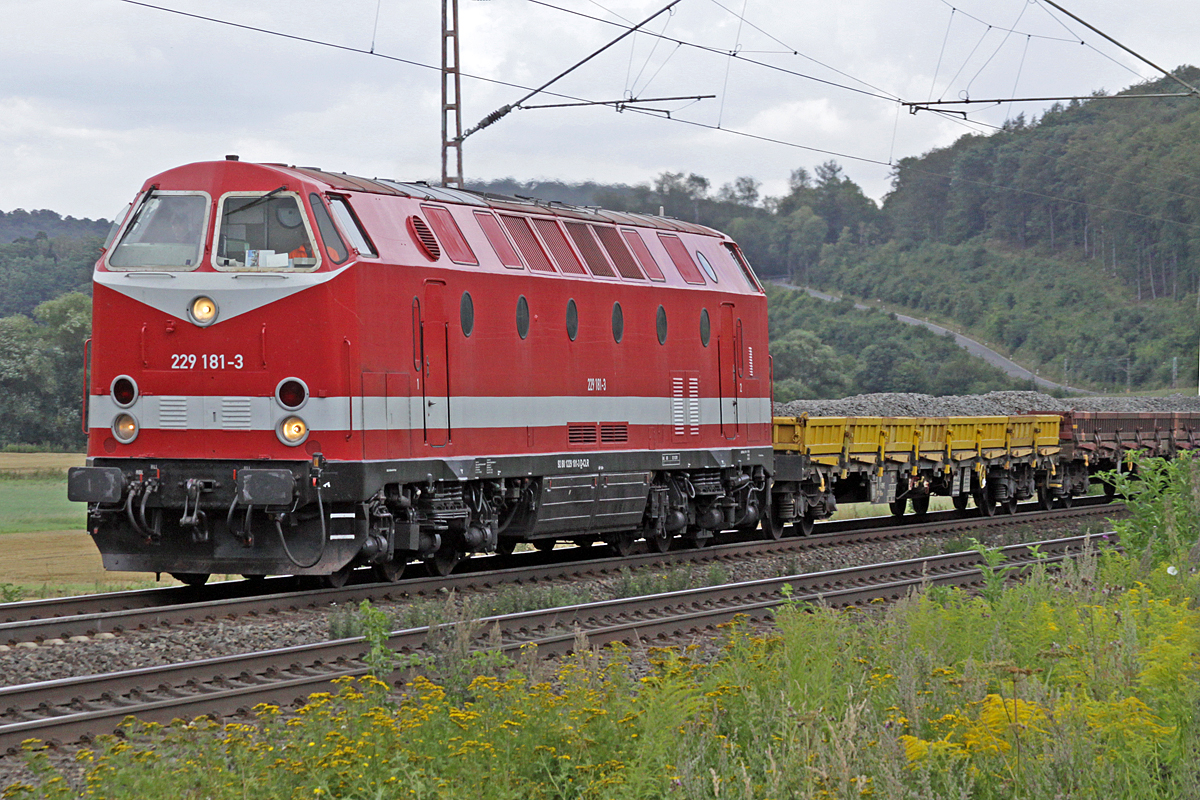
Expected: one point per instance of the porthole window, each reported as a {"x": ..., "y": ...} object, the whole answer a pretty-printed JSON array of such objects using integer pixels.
[
  {"x": 705, "y": 327},
  {"x": 618, "y": 322},
  {"x": 522, "y": 317},
  {"x": 707, "y": 267},
  {"x": 466, "y": 314},
  {"x": 661, "y": 322},
  {"x": 572, "y": 320}
]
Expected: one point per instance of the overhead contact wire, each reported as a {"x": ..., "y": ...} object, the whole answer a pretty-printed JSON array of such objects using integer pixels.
[{"x": 724, "y": 53}]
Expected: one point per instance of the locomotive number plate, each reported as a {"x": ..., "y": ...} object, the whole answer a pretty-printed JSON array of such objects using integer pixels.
[
  {"x": 207, "y": 361},
  {"x": 597, "y": 384}
]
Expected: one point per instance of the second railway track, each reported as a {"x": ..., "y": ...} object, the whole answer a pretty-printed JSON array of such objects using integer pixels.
[{"x": 69, "y": 709}]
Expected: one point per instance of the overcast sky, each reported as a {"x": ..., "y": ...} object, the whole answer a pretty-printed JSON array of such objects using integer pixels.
[{"x": 98, "y": 95}]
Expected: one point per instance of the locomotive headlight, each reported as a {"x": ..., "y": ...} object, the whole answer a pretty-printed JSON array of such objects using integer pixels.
[
  {"x": 125, "y": 428},
  {"x": 292, "y": 431},
  {"x": 203, "y": 310}
]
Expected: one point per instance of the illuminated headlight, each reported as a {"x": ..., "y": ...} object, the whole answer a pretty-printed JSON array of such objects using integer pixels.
[
  {"x": 203, "y": 310},
  {"x": 292, "y": 431},
  {"x": 125, "y": 428}
]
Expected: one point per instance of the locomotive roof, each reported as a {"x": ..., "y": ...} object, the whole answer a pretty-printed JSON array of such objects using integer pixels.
[{"x": 423, "y": 191}]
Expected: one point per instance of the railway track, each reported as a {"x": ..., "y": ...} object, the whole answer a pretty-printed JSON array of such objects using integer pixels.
[
  {"x": 88, "y": 615},
  {"x": 71, "y": 709}
]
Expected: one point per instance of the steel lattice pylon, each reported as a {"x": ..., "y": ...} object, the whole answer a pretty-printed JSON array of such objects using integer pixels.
[{"x": 451, "y": 110}]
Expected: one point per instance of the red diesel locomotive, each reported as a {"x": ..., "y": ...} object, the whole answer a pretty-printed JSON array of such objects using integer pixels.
[{"x": 300, "y": 372}]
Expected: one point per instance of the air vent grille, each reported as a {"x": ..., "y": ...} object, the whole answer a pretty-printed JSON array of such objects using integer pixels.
[
  {"x": 172, "y": 412},
  {"x": 614, "y": 432},
  {"x": 552, "y": 235},
  {"x": 580, "y": 433},
  {"x": 591, "y": 251},
  {"x": 235, "y": 413},
  {"x": 527, "y": 243},
  {"x": 424, "y": 238}
]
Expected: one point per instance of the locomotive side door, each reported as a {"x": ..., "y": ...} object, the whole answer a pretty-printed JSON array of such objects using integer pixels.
[
  {"x": 727, "y": 366},
  {"x": 436, "y": 386}
]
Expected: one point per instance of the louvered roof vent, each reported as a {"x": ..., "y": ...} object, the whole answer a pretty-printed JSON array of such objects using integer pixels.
[{"x": 424, "y": 238}]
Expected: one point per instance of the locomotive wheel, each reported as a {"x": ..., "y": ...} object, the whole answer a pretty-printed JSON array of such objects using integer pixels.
[
  {"x": 960, "y": 501},
  {"x": 920, "y": 505},
  {"x": 544, "y": 545},
  {"x": 984, "y": 502},
  {"x": 898, "y": 507},
  {"x": 622, "y": 545},
  {"x": 336, "y": 580},
  {"x": 388, "y": 572},
  {"x": 444, "y": 561},
  {"x": 191, "y": 578}
]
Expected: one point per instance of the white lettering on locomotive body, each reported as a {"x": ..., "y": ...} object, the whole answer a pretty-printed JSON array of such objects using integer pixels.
[
  {"x": 597, "y": 384},
  {"x": 574, "y": 463},
  {"x": 207, "y": 361}
]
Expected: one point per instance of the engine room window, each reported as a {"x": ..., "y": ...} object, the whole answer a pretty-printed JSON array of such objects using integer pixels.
[
  {"x": 352, "y": 227},
  {"x": 705, "y": 327},
  {"x": 618, "y": 323},
  {"x": 264, "y": 232},
  {"x": 167, "y": 231},
  {"x": 572, "y": 320},
  {"x": 466, "y": 314},
  {"x": 660, "y": 322},
  {"x": 522, "y": 317}
]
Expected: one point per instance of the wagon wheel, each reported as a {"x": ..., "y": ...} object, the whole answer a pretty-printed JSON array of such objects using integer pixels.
[
  {"x": 960, "y": 501},
  {"x": 622, "y": 543},
  {"x": 337, "y": 580},
  {"x": 659, "y": 544},
  {"x": 897, "y": 507},
  {"x": 1009, "y": 506},
  {"x": 254, "y": 577},
  {"x": 544, "y": 545},
  {"x": 772, "y": 527},
  {"x": 1066, "y": 500},
  {"x": 804, "y": 525},
  {"x": 191, "y": 578},
  {"x": 505, "y": 547},
  {"x": 388, "y": 572},
  {"x": 984, "y": 502},
  {"x": 1110, "y": 491},
  {"x": 920, "y": 505},
  {"x": 444, "y": 561},
  {"x": 1044, "y": 498}
]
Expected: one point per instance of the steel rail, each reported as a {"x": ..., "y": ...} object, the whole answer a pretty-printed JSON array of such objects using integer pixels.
[{"x": 73, "y": 708}]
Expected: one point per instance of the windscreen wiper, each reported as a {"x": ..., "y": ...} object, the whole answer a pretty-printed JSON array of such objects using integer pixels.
[{"x": 255, "y": 201}]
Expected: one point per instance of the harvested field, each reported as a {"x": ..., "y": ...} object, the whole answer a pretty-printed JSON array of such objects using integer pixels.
[
  {"x": 38, "y": 465},
  {"x": 64, "y": 560}
]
